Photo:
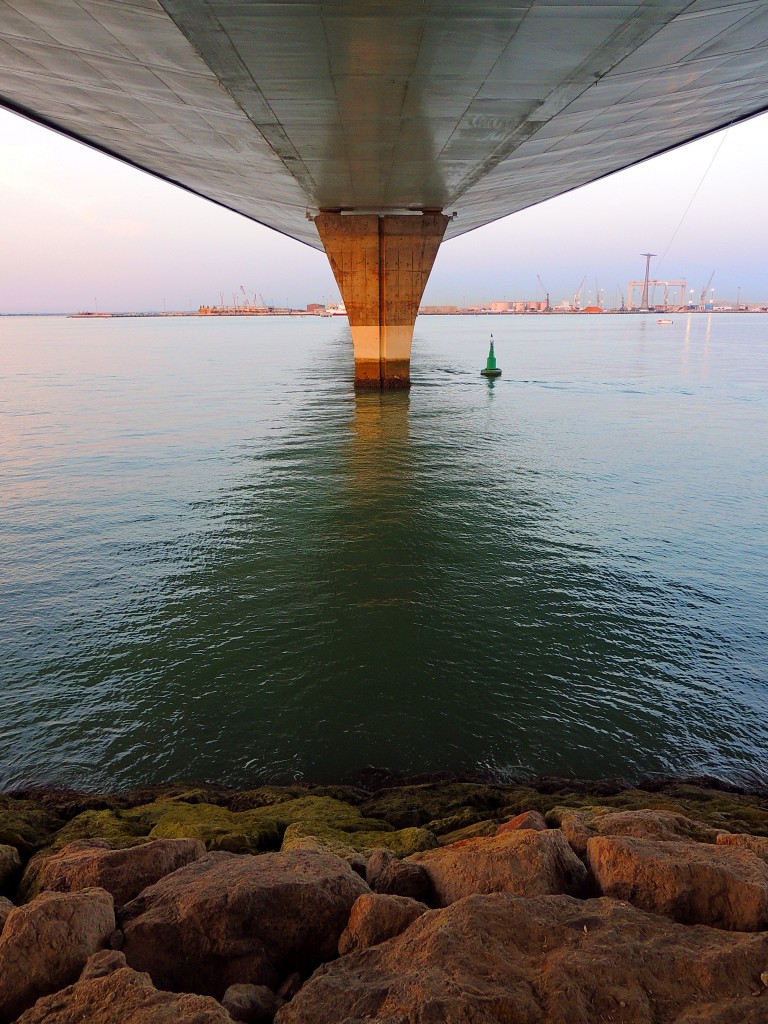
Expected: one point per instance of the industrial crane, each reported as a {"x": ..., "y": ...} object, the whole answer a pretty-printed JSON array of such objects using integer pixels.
[
  {"x": 545, "y": 290},
  {"x": 704, "y": 290},
  {"x": 577, "y": 294}
]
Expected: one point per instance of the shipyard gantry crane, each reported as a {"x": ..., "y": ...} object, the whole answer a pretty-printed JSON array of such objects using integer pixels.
[{"x": 704, "y": 290}]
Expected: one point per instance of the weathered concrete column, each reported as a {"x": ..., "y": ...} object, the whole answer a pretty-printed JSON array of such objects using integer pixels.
[{"x": 381, "y": 264}]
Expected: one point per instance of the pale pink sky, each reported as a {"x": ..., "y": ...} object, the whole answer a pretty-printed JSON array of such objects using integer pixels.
[{"x": 78, "y": 227}]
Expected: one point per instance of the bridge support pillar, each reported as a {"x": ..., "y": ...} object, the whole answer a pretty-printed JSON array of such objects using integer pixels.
[{"x": 381, "y": 264}]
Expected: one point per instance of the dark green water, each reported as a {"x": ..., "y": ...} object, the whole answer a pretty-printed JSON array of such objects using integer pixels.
[{"x": 219, "y": 562}]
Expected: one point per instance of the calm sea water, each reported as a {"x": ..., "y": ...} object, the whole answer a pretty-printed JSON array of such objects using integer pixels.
[{"x": 219, "y": 562}]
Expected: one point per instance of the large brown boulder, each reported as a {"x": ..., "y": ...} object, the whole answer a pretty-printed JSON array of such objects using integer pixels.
[
  {"x": 375, "y": 919},
  {"x": 757, "y": 844},
  {"x": 403, "y": 878},
  {"x": 46, "y": 943},
  {"x": 377, "y": 862},
  {"x": 581, "y": 824},
  {"x": 105, "y": 962},
  {"x": 528, "y": 819},
  {"x": 525, "y": 862},
  {"x": 694, "y": 883},
  {"x": 502, "y": 959},
  {"x": 229, "y": 919},
  {"x": 122, "y": 872},
  {"x": 127, "y": 997}
]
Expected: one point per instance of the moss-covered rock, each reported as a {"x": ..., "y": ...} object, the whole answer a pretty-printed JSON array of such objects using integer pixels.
[
  {"x": 525, "y": 798},
  {"x": 264, "y": 796},
  {"x": 117, "y": 827},
  {"x": 465, "y": 818},
  {"x": 345, "y": 817},
  {"x": 300, "y": 836},
  {"x": 322, "y": 822},
  {"x": 185, "y": 792},
  {"x": 480, "y": 828},
  {"x": 347, "y": 794},
  {"x": 413, "y": 806},
  {"x": 66, "y": 803},
  {"x": 147, "y": 816},
  {"x": 219, "y": 828},
  {"x": 325, "y": 810},
  {"x": 448, "y": 807},
  {"x": 405, "y": 841},
  {"x": 318, "y": 836},
  {"x": 730, "y": 812},
  {"x": 267, "y": 796},
  {"x": 25, "y": 825},
  {"x": 249, "y": 831},
  {"x": 327, "y": 824}
]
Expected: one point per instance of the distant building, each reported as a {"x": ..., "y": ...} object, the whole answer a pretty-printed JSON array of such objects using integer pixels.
[
  {"x": 315, "y": 307},
  {"x": 438, "y": 309},
  {"x": 500, "y": 307}
]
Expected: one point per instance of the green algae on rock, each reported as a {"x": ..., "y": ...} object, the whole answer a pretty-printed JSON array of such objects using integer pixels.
[
  {"x": 219, "y": 828},
  {"x": 320, "y": 821},
  {"x": 416, "y": 805},
  {"x": 345, "y": 817},
  {"x": 480, "y": 829},
  {"x": 401, "y": 842},
  {"x": 25, "y": 825},
  {"x": 118, "y": 827},
  {"x": 728, "y": 812}
]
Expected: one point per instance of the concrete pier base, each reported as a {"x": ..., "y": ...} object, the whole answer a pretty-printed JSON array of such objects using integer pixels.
[{"x": 381, "y": 264}]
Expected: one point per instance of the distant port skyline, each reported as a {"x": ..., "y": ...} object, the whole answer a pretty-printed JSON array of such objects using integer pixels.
[{"x": 497, "y": 307}]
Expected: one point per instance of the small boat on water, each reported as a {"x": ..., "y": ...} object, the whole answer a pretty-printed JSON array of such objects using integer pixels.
[
  {"x": 491, "y": 370},
  {"x": 663, "y": 321}
]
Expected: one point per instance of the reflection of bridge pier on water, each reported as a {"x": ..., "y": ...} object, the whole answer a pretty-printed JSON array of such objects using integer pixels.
[{"x": 378, "y": 459}]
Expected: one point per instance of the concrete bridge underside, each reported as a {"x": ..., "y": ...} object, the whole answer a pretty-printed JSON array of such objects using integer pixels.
[{"x": 362, "y": 126}]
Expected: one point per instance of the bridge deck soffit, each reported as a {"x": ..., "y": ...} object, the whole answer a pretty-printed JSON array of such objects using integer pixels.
[{"x": 279, "y": 109}]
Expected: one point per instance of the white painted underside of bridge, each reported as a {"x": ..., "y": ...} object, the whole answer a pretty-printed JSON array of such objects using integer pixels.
[{"x": 279, "y": 109}]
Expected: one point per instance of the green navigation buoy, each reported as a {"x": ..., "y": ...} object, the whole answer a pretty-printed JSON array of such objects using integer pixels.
[{"x": 491, "y": 370}]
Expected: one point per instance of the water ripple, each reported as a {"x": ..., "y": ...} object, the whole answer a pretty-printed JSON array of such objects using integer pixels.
[{"x": 222, "y": 563}]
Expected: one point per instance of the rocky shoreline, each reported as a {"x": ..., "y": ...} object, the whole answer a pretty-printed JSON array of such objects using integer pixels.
[{"x": 456, "y": 900}]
